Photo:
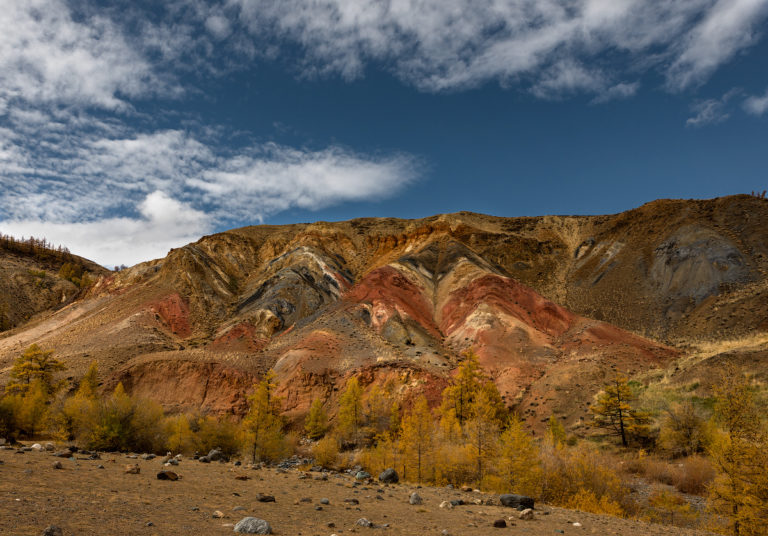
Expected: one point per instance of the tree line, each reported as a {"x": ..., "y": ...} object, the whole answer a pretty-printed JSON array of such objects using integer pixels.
[{"x": 471, "y": 438}]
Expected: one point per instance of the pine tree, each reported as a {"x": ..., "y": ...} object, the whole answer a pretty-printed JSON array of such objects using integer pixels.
[
  {"x": 34, "y": 364},
  {"x": 740, "y": 456},
  {"x": 417, "y": 437},
  {"x": 316, "y": 423},
  {"x": 614, "y": 412},
  {"x": 351, "y": 411},
  {"x": 262, "y": 427}
]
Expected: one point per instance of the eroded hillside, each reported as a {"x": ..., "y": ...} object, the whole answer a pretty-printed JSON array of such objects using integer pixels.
[{"x": 552, "y": 305}]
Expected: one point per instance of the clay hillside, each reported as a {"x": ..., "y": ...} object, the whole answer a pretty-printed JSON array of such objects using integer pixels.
[{"x": 552, "y": 305}]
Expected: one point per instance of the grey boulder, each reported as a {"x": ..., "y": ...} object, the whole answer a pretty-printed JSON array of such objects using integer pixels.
[{"x": 252, "y": 525}]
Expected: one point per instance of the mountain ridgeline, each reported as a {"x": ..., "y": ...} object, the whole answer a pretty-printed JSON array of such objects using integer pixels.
[{"x": 552, "y": 306}]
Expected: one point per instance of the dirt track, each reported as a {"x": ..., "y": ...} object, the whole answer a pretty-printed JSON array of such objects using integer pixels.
[{"x": 85, "y": 500}]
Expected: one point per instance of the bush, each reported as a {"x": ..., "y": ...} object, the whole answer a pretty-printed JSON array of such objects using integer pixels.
[
  {"x": 695, "y": 475},
  {"x": 326, "y": 451}
]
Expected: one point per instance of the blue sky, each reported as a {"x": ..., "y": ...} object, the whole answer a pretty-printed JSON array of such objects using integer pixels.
[{"x": 127, "y": 129}]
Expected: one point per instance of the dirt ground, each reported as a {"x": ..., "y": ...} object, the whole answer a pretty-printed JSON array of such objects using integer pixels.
[{"x": 84, "y": 499}]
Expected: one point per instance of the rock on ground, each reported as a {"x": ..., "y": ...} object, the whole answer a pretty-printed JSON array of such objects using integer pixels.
[
  {"x": 252, "y": 525},
  {"x": 389, "y": 476},
  {"x": 521, "y": 502}
]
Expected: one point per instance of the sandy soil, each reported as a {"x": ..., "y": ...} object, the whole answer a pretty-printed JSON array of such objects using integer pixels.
[{"x": 83, "y": 499}]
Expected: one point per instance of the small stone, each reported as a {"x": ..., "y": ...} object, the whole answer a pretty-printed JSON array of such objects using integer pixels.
[
  {"x": 466, "y": 488},
  {"x": 325, "y": 501},
  {"x": 252, "y": 525},
  {"x": 352, "y": 501},
  {"x": 447, "y": 505},
  {"x": 49, "y": 447},
  {"x": 53, "y": 530},
  {"x": 132, "y": 469},
  {"x": 217, "y": 514},
  {"x": 99, "y": 466},
  {"x": 499, "y": 524},
  {"x": 58, "y": 465},
  {"x": 150, "y": 524},
  {"x": 364, "y": 522},
  {"x": 415, "y": 499},
  {"x": 167, "y": 475},
  {"x": 265, "y": 498},
  {"x": 148, "y": 456},
  {"x": 576, "y": 524},
  {"x": 37, "y": 446},
  {"x": 363, "y": 475},
  {"x": 318, "y": 507},
  {"x": 238, "y": 509},
  {"x": 526, "y": 515},
  {"x": 242, "y": 477}
]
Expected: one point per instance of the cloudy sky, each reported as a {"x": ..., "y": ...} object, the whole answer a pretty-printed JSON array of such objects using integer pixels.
[{"x": 127, "y": 129}]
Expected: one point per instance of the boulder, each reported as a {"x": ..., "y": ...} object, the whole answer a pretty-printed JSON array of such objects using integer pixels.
[
  {"x": 389, "y": 476},
  {"x": 415, "y": 498},
  {"x": 252, "y": 525},
  {"x": 521, "y": 502},
  {"x": 362, "y": 475},
  {"x": 499, "y": 524},
  {"x": 526, "y": 515},
  {"x": 215, "y": 455}
]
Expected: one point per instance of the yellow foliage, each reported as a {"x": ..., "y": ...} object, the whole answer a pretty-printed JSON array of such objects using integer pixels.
[
  {"x": 261, "y": 431},
  {"x": 316, "y": 423},
  {"x": 326, "y": 451},
  {"x": 519, "y": 465},
  {"x": 586, "y": 501},
  {"x": 350, "y": 411}
]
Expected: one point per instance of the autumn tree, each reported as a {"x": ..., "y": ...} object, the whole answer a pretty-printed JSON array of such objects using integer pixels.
[
  {"x": 34, "y": 364},
  {"x": 417, "y": 437},
  {"x": 519, "y": 460},
  {"x": 316, "y": 423},
  {"x": 75, "y": 414},
  {"x": 459, "y": 396},
  {"x": 614, "y": 412},
  {"x": 262, "y": 427},
  {"x": 684, "y": 430},
  {"x": 351, "y": 411},
  {"x": 740, "y": 455},
  {"x": 555, "y": 433},
  {"x": 482, "y": 430}
]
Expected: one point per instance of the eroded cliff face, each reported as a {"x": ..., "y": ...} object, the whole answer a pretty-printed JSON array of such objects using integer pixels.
[{"x": 551, "y": 305}]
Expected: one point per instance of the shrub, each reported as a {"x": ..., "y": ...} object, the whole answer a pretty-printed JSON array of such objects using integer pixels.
[
  {"x": 695, "y": 475},
  {"x": 326, "y": 451}
]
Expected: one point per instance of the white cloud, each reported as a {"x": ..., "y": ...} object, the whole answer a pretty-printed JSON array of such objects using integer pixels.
[
  {"x": 119, "y": 196},
  {"x": 711, "y": 111},
  {"x": 47, "y": 56},
  {"x": 544, "y": 44},
  {"x": 756, "y": 105},
  {"x": 728, "y": 27},
  {"x": 164, "y": 224}
]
